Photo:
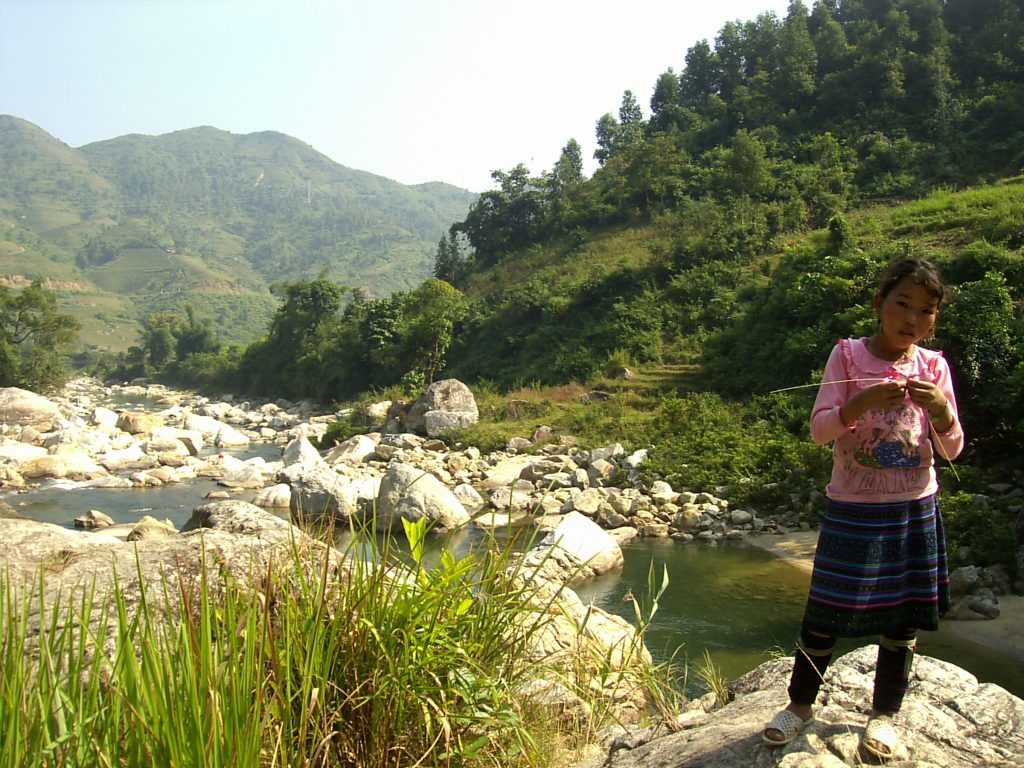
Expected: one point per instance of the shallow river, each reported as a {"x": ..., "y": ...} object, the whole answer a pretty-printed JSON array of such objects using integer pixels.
[{"x": 738, "y": 602}]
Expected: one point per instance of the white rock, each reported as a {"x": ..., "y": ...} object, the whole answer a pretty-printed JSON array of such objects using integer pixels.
[
  {"x": 21, "y": 452},
  {"x": 355, "y": 450},
  {"x": 410, "y": 493},
  {"x": 469, "y": 496},
  {"x": 229, "y": 437},
  {"x": 279, "y": 495}
]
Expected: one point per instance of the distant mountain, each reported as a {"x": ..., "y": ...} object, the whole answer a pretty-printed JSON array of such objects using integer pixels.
[{"x": 139, "y": 224}]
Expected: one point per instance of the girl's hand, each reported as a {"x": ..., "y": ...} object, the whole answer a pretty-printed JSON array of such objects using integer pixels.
[
  {"x": 928, "y": 396},
  {"x": 887, "y": 394}
]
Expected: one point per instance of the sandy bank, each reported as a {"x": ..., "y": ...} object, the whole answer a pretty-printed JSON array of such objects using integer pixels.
[{"x": 1004, "y": 635}]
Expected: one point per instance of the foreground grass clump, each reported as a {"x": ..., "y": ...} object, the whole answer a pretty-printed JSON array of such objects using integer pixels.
[{"x": 372, "y": 659}]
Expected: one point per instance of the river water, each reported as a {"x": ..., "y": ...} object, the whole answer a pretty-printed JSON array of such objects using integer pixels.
[{"x": 739, "y": 603}]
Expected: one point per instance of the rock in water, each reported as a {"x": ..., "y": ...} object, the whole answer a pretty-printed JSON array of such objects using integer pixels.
[{"x": 19, "y": 407}]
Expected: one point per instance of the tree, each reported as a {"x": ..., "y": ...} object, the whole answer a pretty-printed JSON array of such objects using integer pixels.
[
  {"x": 701, "y": 76},
  {"x": 631, "y": 122},
  {"x": 794, "y": 77},
  {"x": 826, "y": 179},
  {"x": 656, "y": 172},
  {"x": 194, "y": 336},
  {"x": 568, "y": 170},
  {"x": 729, "y": 53},
  {"x": 158, "y": 340},
  {"x": 743, "y": 169},
  {"x": 761, "y": 40},
  {"x": 34, "y": 338},
  {"x": 665, "y": 110},
  {"x": 562, "y": 183},
  {"x": 607, "y": 134},
  {"x": 987, "y": 39},
  {"x": 380, "y": 334},
  {"x": 506, "y": 218},
  {"x": 830, "y": 45},
  {"x": 289, "y": 360},
  {"x": 430, "y": 312},
  {"x": 984, "y": 346},
  {"x": 449, "y": 259}
]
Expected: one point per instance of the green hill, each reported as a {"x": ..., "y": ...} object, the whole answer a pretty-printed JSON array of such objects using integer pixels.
[{"x": 139, "y": 224}]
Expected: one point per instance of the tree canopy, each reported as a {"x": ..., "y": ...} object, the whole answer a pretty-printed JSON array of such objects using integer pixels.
[{"x": 35, "y": 338}]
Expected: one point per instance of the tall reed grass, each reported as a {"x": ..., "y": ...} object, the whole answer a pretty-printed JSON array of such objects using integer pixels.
[{"x": 366, "y": 658}]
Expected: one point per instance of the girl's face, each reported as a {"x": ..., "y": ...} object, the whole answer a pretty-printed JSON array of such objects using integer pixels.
[{"x": 906, "y": 315}]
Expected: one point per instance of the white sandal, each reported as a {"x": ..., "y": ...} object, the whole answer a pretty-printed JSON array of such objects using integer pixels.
[
  {"x": 881, "y": 732},
  {"x": 788, "y": 723}
]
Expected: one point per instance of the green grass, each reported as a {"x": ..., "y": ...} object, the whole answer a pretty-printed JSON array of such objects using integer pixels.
[
  {"x": 383, "y": 661},
  {"x": 563, "y": 262},
  {"x": 945, "y": 220},
  {"x": 622, "y": 410}
]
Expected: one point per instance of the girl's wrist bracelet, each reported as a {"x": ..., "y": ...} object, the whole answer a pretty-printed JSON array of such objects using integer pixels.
[{"x": 940, "y": 416}]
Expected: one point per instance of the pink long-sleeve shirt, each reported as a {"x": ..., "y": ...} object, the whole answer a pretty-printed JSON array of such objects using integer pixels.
[{"x": 887, "y": 454}]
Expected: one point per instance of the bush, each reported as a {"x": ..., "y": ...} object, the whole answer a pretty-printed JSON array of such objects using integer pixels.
[
  {"x": 341, "y": 430},
  {"x": 704, "y": 442},
  {"x": 978, "y": 533}
]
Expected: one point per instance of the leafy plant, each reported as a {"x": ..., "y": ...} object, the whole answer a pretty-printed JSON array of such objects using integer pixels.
[
  {"x": 983, "y": 532},
  {"x": 709, "y": 674},
  {"x": 371, "y": 657}
]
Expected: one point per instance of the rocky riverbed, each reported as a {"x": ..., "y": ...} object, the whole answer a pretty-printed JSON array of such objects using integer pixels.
[
  {"x": 395, "y": 469},
  {"x": 399, "y": 469}
]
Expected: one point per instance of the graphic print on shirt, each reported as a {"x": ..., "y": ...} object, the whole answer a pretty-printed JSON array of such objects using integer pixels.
[{"x": 889, "y": 438}]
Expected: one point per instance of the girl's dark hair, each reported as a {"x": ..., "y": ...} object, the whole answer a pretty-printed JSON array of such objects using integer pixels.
[{"x": 920, "y": 271}]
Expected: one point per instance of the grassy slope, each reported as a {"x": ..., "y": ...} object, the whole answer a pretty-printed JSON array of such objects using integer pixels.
[{"x": 938, "y": 225}]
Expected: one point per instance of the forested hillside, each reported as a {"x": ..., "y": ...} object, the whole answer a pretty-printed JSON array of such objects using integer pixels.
[
  {"x": 735, "y": 230},
  {"x": 767, "y": 133},
  {"x": 136, "y": 225},
  {"x": 770, "y": 143}
]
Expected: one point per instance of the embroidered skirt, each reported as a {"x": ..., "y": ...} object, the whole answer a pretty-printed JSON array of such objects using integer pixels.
[{"x": 879, "y": 568}]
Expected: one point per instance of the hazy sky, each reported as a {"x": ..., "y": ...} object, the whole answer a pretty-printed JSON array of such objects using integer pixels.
[{"x": 427, "y": 90}]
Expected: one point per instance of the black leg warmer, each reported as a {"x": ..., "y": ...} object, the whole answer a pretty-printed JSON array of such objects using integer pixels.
[
  {"x": 892, "y": 671},
  {"x": 813, "y": 653}
]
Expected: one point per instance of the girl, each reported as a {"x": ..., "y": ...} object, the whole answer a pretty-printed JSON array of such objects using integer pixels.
[{"x": 880, "y": 563}]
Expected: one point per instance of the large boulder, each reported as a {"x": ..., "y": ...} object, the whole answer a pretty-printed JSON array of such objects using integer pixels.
[
  {"x": 19, "y": 407},
  {"x": 73, "y": 464},
  {"x": 7, "y": 512},
  {"x": 240, "y": 517},
  {"x": 138, "y": 422},
  {"x": 577, "y": 550},
  {"x": 18, "y": 453},
  {"x": 592, "y": 649},
  {"x": 446, "y": 405},
  {"x": 948, "y": 719},
  {"x": 319, "y": 492},
  {"x": 190, "y": 438},
  {"x": 151, "y": 528},
  {"x": 410, "y": 493},
  {"x": 207, "y": 426},
  {"x": 356, "y": 450},
  {"x": 92, "y": 441},
  {"x": 279, "y": 495},
  {"x": 229, "y": 437},
  {"x": 101, "y": 416},
  {"x": 132, "y": 457},
  {"x": 302, "y": 452},
  {"x": 245, "y": 476}
]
